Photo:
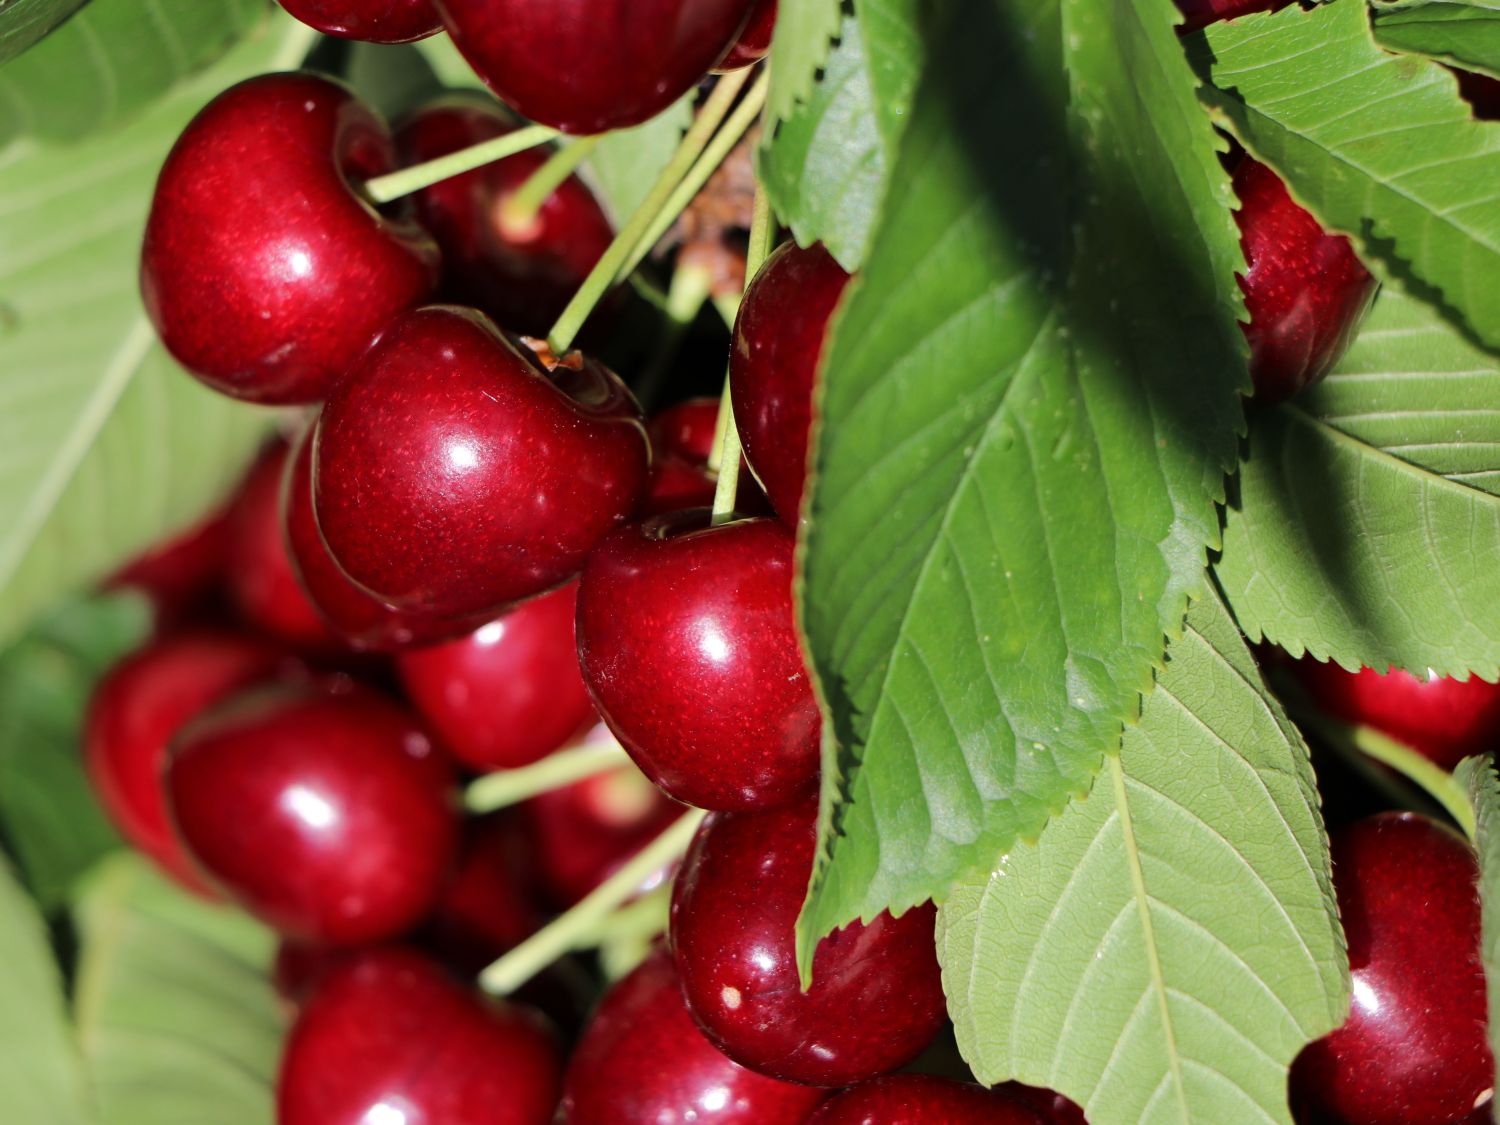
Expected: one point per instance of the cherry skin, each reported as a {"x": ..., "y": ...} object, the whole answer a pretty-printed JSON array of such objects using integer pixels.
[
  {"x": 373, "y": 21},
  {"x": 490, "y": 904},
  {"x": 389, "y": 1030},
  {"x": 452, "y": 475},
  {"x": 328, "y": 815},
  {"x": 876, "y": 999},
  {"x": 685, "y": 430},
  {"x": 682, "y": 440},
  {"x": 179, "y": 574},
  {"x": 924, "y": 1099},
  {"x": 1198, "y": 14},
  {"x": 135, "y": 711},
  {"x": 1056, "y": 1109},
  {"x": 643, "y": 1061},
  {"x": 778, "y": 339},
  {"x": 508, "y": 694},
  {"x": 688, "y": 647},
  {"x": 520, "y": 271},
  {"x": 265, "y": 274},
  {"x": 589, "y": 66},
  {"x": 754, "y": 42},
  {"x": 1414, "y": 1050}
]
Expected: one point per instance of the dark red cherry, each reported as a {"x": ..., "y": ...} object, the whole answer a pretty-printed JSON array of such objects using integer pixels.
[
  {"x": 685, "y": 430},
  {"x": 509, "y": 693},
  {"x": 1198, "y": 14},
  {"x": 1305, "y": 289},
  {"x": 179, "y": 574},
  {"x": 389, "y": 1038},
  {"x": 875, "y": 1001},
  {"x": 522, "y": 271},
  {"x": 755, "y": 41},
  {"x": 264, "y": 271},
  {"x": 688, "y": 647},
  {"x": 588, "y": 66},
  {"x": 490, "y": 904},
  {"x": 327, "y": 815},
  {"x": 373, "y": 21},
  {"x": 1480, "y": 91},
  {"x": 924, "y": 1099},
  {"x": 1056, "y": 1109},
  {"x": 642, "y": 1061},
  {"x": 682, "y": 440},
  {"x": 1414, "y": 1049},
  {"x": 778, "y": 339},
  {"x": 453, "y": 475},
  {"x": 136, "y": 710}
]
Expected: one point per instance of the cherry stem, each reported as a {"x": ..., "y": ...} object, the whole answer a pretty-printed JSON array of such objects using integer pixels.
[
  {"x": 685, "y": 297},
  {"x": 510, "y": 787},
  {"x": 520, "y": 208},
  {"x": 404, "y": 181},
  {"x": 582, "y": 924},
  {"x": 607, "y": 269},
  {"x": 626, "y": 936}
]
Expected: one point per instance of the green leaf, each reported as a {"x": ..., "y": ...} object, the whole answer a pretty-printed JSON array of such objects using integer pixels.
[
  {"x": 24, "y": 23},
  {"x": 1380, "y": 147},
  {"x": 108, "y": 445},
  {"x": 1465, "y": 33},
  {"x": 626, "y": 162},
  {"x": 799, "y": 47},
  {"x": 1028, "y": 407},
  {"x": 175, "y": 1011},
  {"x": 41, "y": 1079},
  {"x": 1368, "y": 512},
  {"x": 1477, "y": 776},
  {"x": 1172, "y": 942}
]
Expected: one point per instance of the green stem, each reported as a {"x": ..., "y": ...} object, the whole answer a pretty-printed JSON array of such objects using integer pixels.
[
  {"x": 581, "y": 925},
  {"x": 510, "y": 787},
  {"x": 520, "y": 209},
  {"x": 404, "y": 181},
  {"x": 728, "y": 305},
  {"x": 721, "y": 424},
  {"x": 685, "y": 297}
]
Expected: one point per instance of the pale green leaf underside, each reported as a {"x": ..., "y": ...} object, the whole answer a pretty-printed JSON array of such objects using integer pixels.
[
  {"x": 24, "y": 23},
  {"x": 1028, "y": 407},
  {"x": 1171, "y": 943},
  {"x": 799, "y": 47},
  {"x": 1477, "y": 776},
  {"x": 1463, "y": 32}
]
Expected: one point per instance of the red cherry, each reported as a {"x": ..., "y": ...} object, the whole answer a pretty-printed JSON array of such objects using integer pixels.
[
  {"x": 1305, "y": 289},
  {"x": 876, "y": 999},
  {"x": 924, "y": 1099},
  {"x": 136, "y": 710},
  {"x": 373, "y": 21},
  {"x": 389, "y": 1037},
  {"x": 1480, "y": 91},
  {"x": 1198, "y": 14},
  {"x": 686, "y": 430},
  {"x": 688, "y": 647},
  {"x": 452, "y": 475},
  {"x": 588, "y": 66},
  {"x": 643, "y": 1061},
  {"x": 508, "y": 694},
  {"x": 778, "y": 339},
  {"x": 179, "y": 573},
  {"x": 523, "y": 274},
  {"x": 263, "y": 270},
  {"x": 489, "y": 905},
  {"x": 1414, "y": 1050},
  {"x": 754, "y": 42},
  {"x": 682, "y": 440},
  {"x": 1056, "y": 1109},
  {"x": 325, "y": 815}
]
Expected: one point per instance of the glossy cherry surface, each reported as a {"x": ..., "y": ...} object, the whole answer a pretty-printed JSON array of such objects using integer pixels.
[
  {"x": 687, "y": 643},
  {"x": 265, "y": 274},
  {"x": 521, "y": 270},
  {"x": 373, "y": 21},
  {"x": 778, "y": 338},
  {"x": 453, "y": 475},
  {"x": 1305, "y": 289},
  {"x": 489, "y": 904},
  {"x": 1056, "y": 1109},
  {"x": 509, "y": 693},
  {"x": 682, "y": 439},
  {"x": 924, "y": 1099},
  {"x": 875, "y": 1001},
  {"x": 642, "y": 1061},
  {"x": 180, "y": 573},
  {"x": 136, "y": 710},
  {"x": 1414, "y": 1050},
  {"x": 588, "y": 66},
  {"x": 685, "y": 430},
  {"x": 328, "y": 815},
  {"x": 1198, "y": 14},
  {"x": 389, "y": 1037},
  {"x": 755, "y": 41}
]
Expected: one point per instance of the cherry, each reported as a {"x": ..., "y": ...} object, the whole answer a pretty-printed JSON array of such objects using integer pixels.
[
  {"x": 522, "y": 272},
  {"x": 178, "y": 574},
  {"x": 1305, "y": 289},
  {"x": 685, "y": 430},
  {"x": 588, "y": 66},
  {"x": 389, "y": 1037},
  {"x": 489, "y": 904},
  {"x": 1198, "y": 14},
  {"x": 924, "y": 1099},
  {"x": 136, "y": 710},
  {"x": 508, "y": 694},
  {"x": 682, "y": 440},
  {"x": 1414, "y": 1050},
  {"x": 643, "y": 1061},
  {"x": 1056, "y": 1109},
  {"x": 778, "y": 339},
  {"x": 327, "y": 815},
  {"x": 754, "y": 42},
  {"x": 688, "y": 647},
  {"x": 453, "y": 475},
  {"x": 264, "y": 271},
  {"x": 876, "y": 1000},
  {"x": 373, "y": 21},
  {"x": 1480, "y": 91}
]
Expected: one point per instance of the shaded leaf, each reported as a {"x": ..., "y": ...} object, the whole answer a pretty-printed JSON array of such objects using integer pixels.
[
  {"x": 24, "y": 23},
  {"x": 1463, "y": 32}
]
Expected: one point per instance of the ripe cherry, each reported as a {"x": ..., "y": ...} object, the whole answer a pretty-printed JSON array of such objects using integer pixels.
[
  {"x": 389, "y": 1037},
  {"x": 1198, "y": 14},
  {"x": 326, "y": 814},
  {"x": 490, "y": 904},
  {"x": 643, "y": 1061},
  {"x": 626, "y": 60},
  {"x": 755, "y": 41},
  {"x": 1056, "y": 1109},
  {"x": 686, "y": 430},
  {"x": 373, "y": 21},
  {"x": 136, "y": 710},
  {"x": 453, "y": 475},
  {"x": 179, "y": 574},
  {"x": 264, "y": 271},
  {"x": 682, "y": 440},
  {"x": 1480, "y": 91},
  {"x": 876, "y": 1000},
  {"x": 1414, "y": 1049},
  {"x": 778, "y": 339},
  {"x": 688, "y": 647},
  {"x": 924, "y": 1099}
]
